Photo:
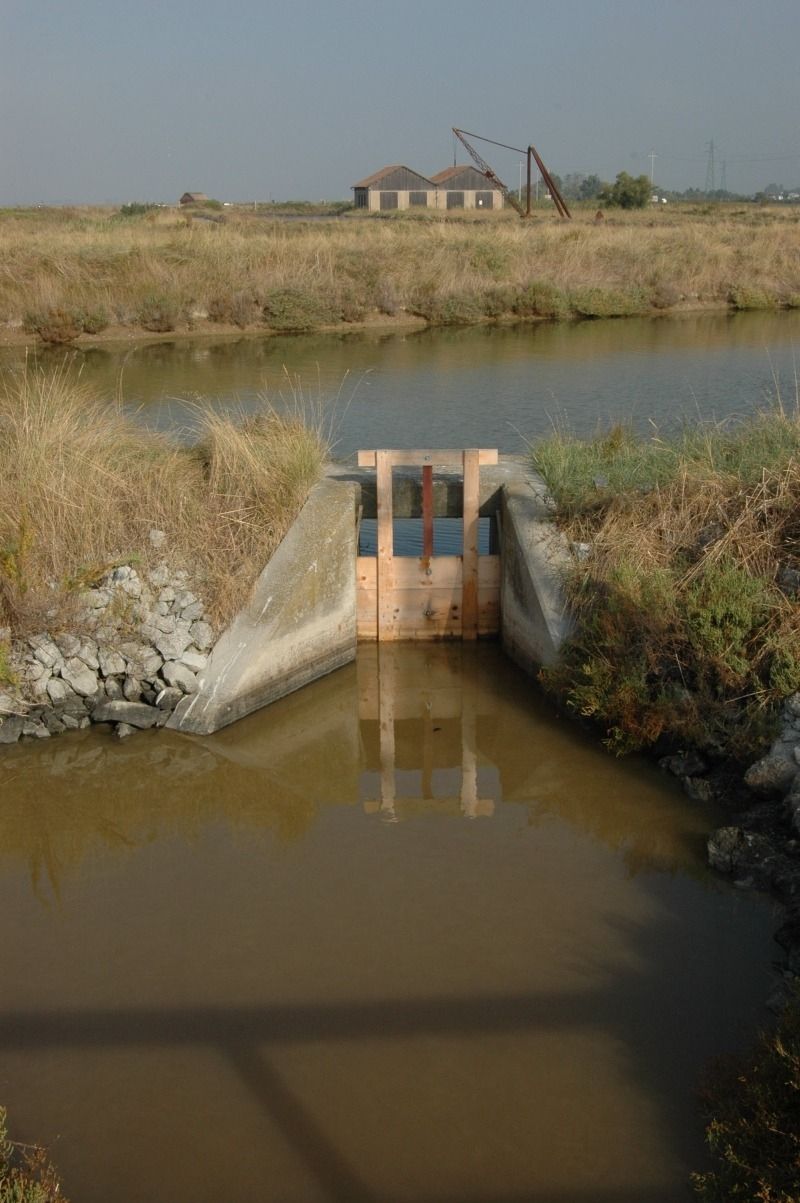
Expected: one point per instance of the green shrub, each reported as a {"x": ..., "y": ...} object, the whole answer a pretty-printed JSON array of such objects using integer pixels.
[
  {"x": 158, "y": 312},
  {"x": 454, "y": 309},
  {"x": 93, "y": 321},
  {"x": 7, "y": 674},
  {"x": 26, "y": 1173},
  {"x": 296, "y": 310},
  {"x": 682, "y": 630},
  {"x": 743, "y": 297},
  {"x": 606, "y": 302},
  {"x": 540, "y": 299},
  {"x": 136, "y": 209},
  {"x": 751, "y": 1105}
]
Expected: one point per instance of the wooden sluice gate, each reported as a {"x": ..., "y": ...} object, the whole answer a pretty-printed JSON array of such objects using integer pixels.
[{"x": 428, "y": 596}]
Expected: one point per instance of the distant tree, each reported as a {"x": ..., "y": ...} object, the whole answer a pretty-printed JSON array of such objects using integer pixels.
[
  {"x": 571, "y": 187},
  {"x": 628, "y": 192},
  {"x": 590, "y": 188}
]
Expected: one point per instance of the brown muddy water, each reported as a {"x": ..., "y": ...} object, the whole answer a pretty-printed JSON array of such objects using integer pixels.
[{"x": 460, "y": 954}]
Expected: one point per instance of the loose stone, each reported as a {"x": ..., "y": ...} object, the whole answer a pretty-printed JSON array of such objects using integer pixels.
[
  {"x": 82, "y": 679},
  {"x": 179, "y": 675},
  {"x": 202, "y": 634}
]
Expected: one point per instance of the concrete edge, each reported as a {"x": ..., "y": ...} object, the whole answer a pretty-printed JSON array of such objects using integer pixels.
[
  {"x": 535, "y": 615},
  {"x": 299, "y": 624}
]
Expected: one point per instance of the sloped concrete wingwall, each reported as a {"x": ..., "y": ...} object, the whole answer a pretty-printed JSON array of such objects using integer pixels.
[
  {"x": 299, "y": 624},
  {"x": 535, "y": 619}
]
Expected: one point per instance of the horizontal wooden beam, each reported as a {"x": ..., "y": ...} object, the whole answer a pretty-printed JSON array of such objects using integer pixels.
[{"x": 421, "y": 459}]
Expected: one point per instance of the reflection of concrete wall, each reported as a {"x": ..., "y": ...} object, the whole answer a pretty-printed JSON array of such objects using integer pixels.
[
  {"x": 300, "y": 622},
  {"x": 534, "y": 616}
]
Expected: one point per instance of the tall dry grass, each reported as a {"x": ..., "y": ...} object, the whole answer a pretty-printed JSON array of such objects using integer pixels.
[
  {"x": 687, "y": 593},
  {"x": 161, "y": 272},
  {"x": 82, "y": 485}
]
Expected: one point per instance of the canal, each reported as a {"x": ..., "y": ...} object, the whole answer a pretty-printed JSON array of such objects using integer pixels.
[{"x": 270, "y": 964}]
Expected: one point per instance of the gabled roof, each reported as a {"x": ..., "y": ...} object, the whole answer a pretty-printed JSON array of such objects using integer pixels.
[
  {"x": 377, "y": 176},
  {"x": 449, "y": 173}
]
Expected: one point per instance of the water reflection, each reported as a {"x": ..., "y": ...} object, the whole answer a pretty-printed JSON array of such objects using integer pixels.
[
  {"x": 484, "y": 386},
  {"x": 402, "y": 936},
  {"x": 440, "y": 729}
]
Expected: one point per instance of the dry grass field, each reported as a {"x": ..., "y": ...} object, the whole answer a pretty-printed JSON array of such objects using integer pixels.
[
  {"x": 82, "y": 485},
  {"x": 82, "y": 274}
]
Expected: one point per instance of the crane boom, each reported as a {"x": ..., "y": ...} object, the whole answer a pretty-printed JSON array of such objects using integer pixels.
[
  {"x": 531, "y": 152},
  {"x": 486, "y": 170}
]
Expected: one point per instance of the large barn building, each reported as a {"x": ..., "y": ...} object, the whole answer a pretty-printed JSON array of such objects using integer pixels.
[
  {"x": 466, "y": 188},
  {"x": 399, "y": 187},
  {"x": 395, "y": 187}
]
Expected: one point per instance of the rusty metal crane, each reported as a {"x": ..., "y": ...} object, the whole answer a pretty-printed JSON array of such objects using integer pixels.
[{"x": 531, "y": 154}]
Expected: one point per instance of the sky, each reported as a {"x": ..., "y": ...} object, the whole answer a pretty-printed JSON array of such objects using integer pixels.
[{"x": 108, "y": 102}]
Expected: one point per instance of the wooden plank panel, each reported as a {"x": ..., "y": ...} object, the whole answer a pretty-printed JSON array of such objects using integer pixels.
[
  {"x": 418, "y": 459},
  {"x": 385, "y": 545},
  {"x": 469, "y": 623},
  {"x": 421, "y": 592}
]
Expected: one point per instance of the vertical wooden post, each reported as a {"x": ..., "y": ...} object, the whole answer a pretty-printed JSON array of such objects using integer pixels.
[
  {"x": 385, "y": 573},
  {"x": 427, "y": 510},
  {"x": 469, "y": 596}
]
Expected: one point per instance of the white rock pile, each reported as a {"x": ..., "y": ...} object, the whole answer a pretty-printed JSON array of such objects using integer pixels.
[{"x": 144, "y": 641}]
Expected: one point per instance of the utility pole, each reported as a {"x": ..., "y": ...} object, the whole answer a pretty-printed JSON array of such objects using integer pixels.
[
  {"x": 652, "y": 157},
  {"x": 711, "y": 172}
]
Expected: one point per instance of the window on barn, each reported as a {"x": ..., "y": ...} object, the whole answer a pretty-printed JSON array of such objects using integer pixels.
[
  {"x": 484, "y": 200},
  {"x": 455, "y": 200},
  {"x": 418, "y": 198},
  {"x": 361, "y": 199},
  {"x": 388, "y": 200}
]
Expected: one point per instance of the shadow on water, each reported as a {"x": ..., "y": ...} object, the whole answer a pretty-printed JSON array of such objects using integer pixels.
[{"x": 507, "y": 1001}]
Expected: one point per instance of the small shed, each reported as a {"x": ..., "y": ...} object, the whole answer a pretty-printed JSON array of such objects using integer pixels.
[
  {"x": 395, "y": 187},
  {"x": 193, "y": 198},
  {"x": 465, "y": 187}
]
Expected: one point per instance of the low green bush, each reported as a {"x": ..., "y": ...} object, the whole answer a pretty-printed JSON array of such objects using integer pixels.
[
  {"x": 751, "y": 1106},
  {"x": 136, "y": 209},
  {"x": 158, "y": 312},
  {"x": 540, "y": 299},
  {"x": 606, "y": 302},
  {"x": 452, "y": 309},
  {"x": 743, "y": 297},
  {"x": 297, "y": 310},
  {"x": 684, "y": 630},
  {"x": 26, "y": 1173}
]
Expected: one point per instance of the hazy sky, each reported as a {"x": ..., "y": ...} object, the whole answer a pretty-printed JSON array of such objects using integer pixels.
[{"x": 142, "y": 100}]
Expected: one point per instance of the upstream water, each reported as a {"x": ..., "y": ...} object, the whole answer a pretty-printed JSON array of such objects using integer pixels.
[
  {"x": 489, "y": 386},
  {"x": 471, "y": 958},
  {"x": 476, "y": 960}
]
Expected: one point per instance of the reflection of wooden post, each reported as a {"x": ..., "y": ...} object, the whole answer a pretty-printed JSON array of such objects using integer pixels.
[
  {"x": 383, "y": 465},
  {"x": 469, "y": 600},
  {"x": 386, "y": 697},
  {"x": 469, "y": 760}
]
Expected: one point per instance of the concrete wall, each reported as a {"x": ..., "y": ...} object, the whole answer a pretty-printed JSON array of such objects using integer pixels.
[
  {"x": 535, "y": 619},
  {"x": 300, "y": 622}
]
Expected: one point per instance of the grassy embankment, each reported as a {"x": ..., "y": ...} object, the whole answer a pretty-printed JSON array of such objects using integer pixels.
[
  {"x": 89, "y": 273},
  {"x": 686, "y": 593},
  {"x": 81, "y": 486},
  {"x": 686, "y": 598}
]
